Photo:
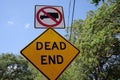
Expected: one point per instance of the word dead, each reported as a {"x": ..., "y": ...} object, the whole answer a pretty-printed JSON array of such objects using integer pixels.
[{"x": 50, "y": 45}]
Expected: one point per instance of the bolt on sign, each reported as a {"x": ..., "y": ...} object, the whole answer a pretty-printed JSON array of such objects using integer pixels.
[
  {"x": 49, "y": 16},
  {"x": 50, "y": 53}
]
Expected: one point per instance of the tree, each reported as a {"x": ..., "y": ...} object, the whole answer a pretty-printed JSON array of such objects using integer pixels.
[
  {"x": 14, "y": 68},
  {"x": 96, "y": 2},
  {"x": 99, "y": 57},
  {"x": 99, "y": 40}
]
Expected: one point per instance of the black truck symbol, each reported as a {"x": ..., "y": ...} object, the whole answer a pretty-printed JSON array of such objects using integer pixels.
[{"x": 54, "y": 15}]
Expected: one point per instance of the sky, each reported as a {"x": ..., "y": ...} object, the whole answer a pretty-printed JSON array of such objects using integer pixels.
[{"x": 17, "y": 21}]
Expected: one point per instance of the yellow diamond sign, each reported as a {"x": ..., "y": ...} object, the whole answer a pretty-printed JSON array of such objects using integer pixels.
[{"x": 50, "y": 53}]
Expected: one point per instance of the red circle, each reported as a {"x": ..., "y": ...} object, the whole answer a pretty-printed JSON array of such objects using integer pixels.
[{"x": 48, "y": 25}]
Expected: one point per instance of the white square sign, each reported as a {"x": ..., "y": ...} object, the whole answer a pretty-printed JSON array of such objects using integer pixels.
[{"x": 49, "y": 17}]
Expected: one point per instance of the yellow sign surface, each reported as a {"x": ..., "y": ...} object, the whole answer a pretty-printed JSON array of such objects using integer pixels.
[{"x": 50, "y": 53}]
